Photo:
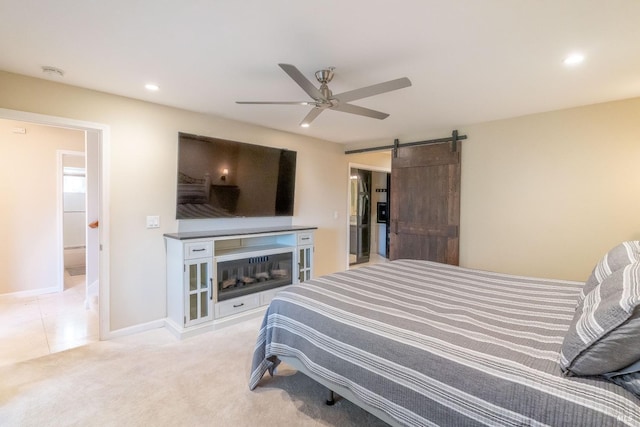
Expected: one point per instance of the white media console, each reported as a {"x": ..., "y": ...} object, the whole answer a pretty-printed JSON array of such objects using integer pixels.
[{"x": 218, "y": 277}]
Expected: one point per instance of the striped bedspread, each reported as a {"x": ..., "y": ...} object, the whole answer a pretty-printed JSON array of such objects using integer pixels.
[{"x": 433, "y": 344}]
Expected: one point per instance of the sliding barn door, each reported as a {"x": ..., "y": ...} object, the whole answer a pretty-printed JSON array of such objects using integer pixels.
[{"x": 425, "y": 203}]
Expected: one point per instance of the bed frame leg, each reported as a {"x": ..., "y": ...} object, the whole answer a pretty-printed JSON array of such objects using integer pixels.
[{"x": 332, "y": 398}]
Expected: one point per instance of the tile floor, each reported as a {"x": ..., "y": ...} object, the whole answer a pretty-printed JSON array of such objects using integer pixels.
[{"x": 35, "y": 326}]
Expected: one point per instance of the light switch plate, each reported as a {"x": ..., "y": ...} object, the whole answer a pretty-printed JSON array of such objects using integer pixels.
[{"x": 153, "y": 221}]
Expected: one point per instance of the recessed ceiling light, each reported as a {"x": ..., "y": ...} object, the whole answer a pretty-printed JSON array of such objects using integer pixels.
[
  {"x": 152, "y": 87},
  {"x": 574, "y": 59},
  {"x": 304, "y": 125}
]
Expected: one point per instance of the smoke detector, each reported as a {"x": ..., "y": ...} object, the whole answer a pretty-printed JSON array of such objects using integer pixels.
[{"x": 52, "y": 71}]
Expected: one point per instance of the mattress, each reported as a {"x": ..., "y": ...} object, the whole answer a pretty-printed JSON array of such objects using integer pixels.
[{"x": 433, "y": 344}]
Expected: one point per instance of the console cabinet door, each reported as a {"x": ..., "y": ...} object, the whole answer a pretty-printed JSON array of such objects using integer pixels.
[
  {"x": 198, "y": 281},
  {"x": 305, "y": 263}
]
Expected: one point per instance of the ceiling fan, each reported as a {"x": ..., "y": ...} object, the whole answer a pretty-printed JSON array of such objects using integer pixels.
[{"x": 324, "y": 99}]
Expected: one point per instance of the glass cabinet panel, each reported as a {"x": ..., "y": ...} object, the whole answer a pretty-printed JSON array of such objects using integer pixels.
[
  {"x": 198, "y": 296},
  {"x": 193, "y": 277},
  {"x": 204, "y": 307},
  {"x": 204, "y": 275},
  {"x": 193, "y": 306},
  {"x": 301, "y": 266},
  {"x": 305, "y": 254}
]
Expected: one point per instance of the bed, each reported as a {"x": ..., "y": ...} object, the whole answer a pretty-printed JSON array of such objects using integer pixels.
[{"x": 423, "y": 344}]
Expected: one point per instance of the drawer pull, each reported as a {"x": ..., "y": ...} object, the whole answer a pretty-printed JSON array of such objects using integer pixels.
[
  {"x": 198, "y": 250},
  {"x": 304, "y": 238},
  {"x": 238, "y": 305}
]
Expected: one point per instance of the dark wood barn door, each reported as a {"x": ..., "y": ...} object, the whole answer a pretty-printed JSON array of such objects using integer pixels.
[{"x": 425, "y": 203}]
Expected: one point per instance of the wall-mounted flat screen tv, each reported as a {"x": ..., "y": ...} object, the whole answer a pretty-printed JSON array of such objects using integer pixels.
[{"x": 218, "y": 178}]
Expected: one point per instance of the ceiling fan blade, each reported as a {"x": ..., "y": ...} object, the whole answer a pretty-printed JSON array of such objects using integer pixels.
[
  {"x": 376, "y": 89},
  {"x": 361, "y": 111},
  {"x": 315, "y": 112},
  {"x": 302, "y": 81},
  {"x": 276, "y": 102}
]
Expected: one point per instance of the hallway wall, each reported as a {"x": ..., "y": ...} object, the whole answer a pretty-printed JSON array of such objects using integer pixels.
[{"x": 28, "y": 184}]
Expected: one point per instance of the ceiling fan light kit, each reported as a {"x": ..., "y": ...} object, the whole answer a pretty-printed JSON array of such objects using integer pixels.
[{"x": 324, "y": 99}]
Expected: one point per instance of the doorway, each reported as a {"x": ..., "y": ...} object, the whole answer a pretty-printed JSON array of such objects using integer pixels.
[
  {"x": 360, "y": 216},
  {"x": 96, "y": 137},
  {"x": 368, "y": 230}
]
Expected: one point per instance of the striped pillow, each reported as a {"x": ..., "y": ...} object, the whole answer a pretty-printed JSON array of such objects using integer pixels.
[
  {"x": 622, "y": 255},
  {"x": 605, "y": 331}
]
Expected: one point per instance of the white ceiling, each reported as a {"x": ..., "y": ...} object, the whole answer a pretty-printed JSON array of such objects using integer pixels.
[{"x": 469, "y": 61}]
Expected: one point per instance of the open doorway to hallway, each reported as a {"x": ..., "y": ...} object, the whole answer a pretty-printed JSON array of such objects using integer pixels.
[{"x": 43, "y": 307}]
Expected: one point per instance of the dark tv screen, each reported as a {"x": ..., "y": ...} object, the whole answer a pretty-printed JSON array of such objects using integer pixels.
[{"x": 219, "y": 178}]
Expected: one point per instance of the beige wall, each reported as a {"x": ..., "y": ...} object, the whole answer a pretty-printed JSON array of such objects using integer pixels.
[
  {"x": 28, "y": 211},
  {"x": 143, "y": 164},
  {"x": 547, "y": 194},
  {"x": 377, "y": 159}
]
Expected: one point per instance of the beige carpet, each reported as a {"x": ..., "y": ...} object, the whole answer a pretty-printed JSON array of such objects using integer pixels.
[{"x": 195, "y": 382}]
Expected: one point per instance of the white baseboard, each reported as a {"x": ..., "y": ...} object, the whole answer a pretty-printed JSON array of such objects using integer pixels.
[
  {"x": 135, "y": 329},
  {"x": 223, "y": 322},
  {"x": 182, "y": 333},
  {"x": 31, "y": 293}
]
